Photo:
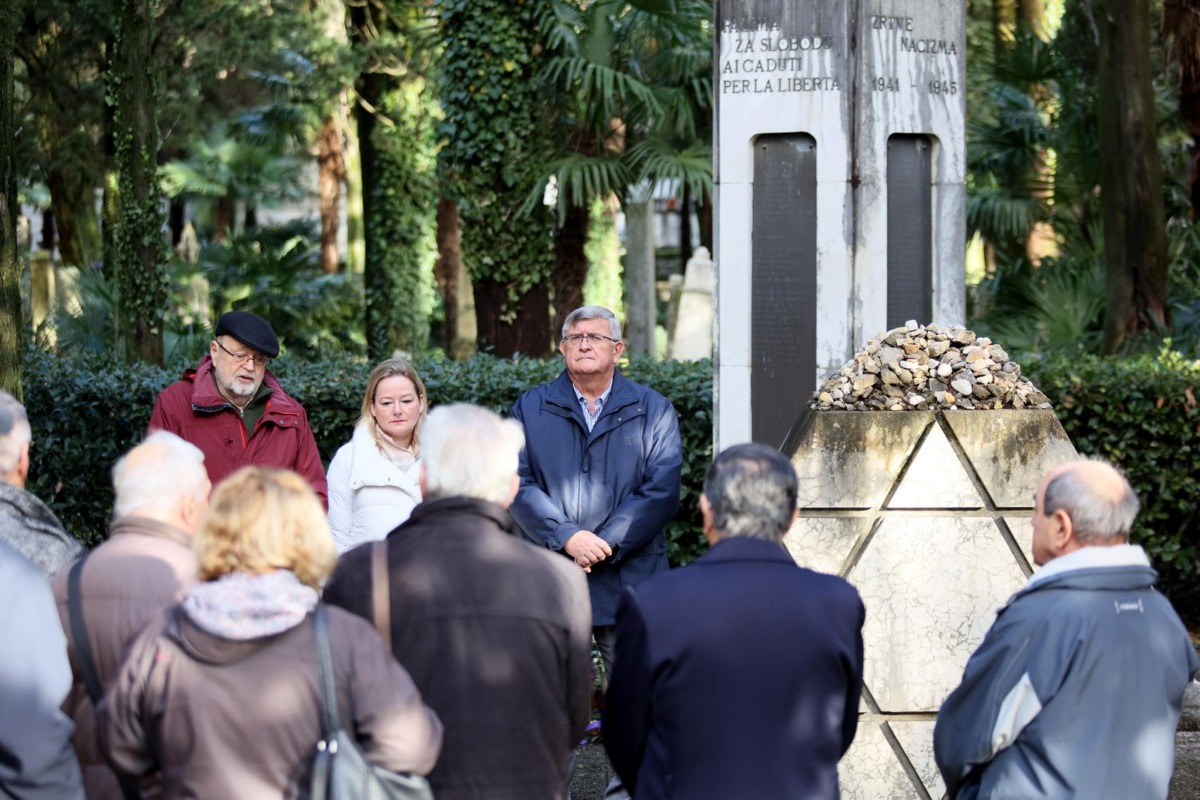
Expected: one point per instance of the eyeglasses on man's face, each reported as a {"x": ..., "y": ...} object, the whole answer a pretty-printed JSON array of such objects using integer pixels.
[
  {"x": 259, "y": 359},
  {"x": 594, "y": 339}
]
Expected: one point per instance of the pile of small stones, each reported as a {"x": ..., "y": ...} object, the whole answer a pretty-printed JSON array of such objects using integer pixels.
[{"x": 924, "y": 366}]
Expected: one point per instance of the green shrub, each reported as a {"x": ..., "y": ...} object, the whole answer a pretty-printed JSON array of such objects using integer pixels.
[
  {"x": 1141, "y": 413},
  {"x": 86, "y": 411}
]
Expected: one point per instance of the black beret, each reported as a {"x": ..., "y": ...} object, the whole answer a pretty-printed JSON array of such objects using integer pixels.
[{"x": 249, "y": 329}]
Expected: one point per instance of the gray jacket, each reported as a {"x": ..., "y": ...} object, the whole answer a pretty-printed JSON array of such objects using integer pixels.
[
  {"x": 36, "y": 760},
  {"x": 29, "y": 526},
  {"x": 1076, "y": 690}
]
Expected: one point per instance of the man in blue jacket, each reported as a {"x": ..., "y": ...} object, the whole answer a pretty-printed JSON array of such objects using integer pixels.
[
  {"x": 738, "y": 676},
  {"x": 1077, "y": 688},
  {"x": 600, "y": 468}
]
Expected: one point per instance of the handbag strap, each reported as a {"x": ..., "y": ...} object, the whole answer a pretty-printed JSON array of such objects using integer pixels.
[
  {"x": 381, "y": 602},
  {"x": 130, "y": 785},
  {"x": 329, "y": 707},
  {"x": 83, "y": 648}
]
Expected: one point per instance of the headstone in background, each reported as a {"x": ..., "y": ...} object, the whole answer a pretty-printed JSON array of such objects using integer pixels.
[
  {"x": 692, "y": 329},
  {"x": 840, "y": 190}
]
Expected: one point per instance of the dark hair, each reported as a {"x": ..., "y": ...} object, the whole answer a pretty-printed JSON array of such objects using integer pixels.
[{"x": 752, "y": 491}]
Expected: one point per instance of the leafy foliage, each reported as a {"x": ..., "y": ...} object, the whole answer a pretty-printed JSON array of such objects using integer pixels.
[
  {"x": 273, "y": 271},
  {"x": 1142, "y": 414}
]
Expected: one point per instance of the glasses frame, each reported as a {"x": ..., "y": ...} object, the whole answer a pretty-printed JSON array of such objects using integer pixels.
[
  {"x": 576, "y": 339},
  {"x": 258, "y": 359}
]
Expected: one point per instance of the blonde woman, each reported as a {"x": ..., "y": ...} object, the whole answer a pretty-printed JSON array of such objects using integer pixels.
[
  {"x": 222, "y": 696},
  {"x": 373, "y": 477}
]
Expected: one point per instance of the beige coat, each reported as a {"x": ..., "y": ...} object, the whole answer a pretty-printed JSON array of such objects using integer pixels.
[
  {"x": 223, "y": 718},
  {"x": 144, "y": 567}
]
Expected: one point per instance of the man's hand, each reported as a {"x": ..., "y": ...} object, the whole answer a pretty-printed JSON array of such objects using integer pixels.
[{"x": 587, "y": 549}]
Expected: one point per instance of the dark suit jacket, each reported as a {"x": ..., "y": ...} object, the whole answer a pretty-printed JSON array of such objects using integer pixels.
[
  {"x": 496, "y": 633},
  {"x": 736, "y": 677}
]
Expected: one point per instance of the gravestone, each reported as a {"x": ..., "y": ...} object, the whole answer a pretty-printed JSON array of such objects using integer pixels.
[
  {"x": 925, "y": 506},
  {"x": 839, "y": 190},
  {"x": 692, "y": 326}
]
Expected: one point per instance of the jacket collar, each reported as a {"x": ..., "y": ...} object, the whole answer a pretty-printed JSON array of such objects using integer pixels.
[
  {"x": 370, "y": 467},
  {"x": 1118, "y": 567},
  {"x": 28, "y": 505},
  {"x": 429, "y": 510},
  {"x": 136, "y": 525},
  {"x": 205, "y": 396},
  {"x": 561, "y": 399},
  {"x": 745, "y": 548}
]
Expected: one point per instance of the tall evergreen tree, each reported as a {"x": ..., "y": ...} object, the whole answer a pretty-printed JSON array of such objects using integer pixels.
[{"x": 10, "y": 265}]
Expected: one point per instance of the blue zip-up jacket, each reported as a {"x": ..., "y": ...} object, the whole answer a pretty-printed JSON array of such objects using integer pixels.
[
  {"x": 1075, "y": 692},
  {"x": 620, "y": 481}
]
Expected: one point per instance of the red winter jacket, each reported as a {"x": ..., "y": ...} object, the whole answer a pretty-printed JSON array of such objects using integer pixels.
[{"x": 194, "y": 410}]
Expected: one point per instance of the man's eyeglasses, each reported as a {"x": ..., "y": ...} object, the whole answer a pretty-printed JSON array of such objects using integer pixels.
[
  {"x": 594, "y": 339},
  {"x": 241, "y": 358}
]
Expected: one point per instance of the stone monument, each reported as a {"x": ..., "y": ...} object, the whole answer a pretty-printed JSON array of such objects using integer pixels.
[
  {"x": 839, "y": 190},
  {"x": 925, "y": 507}
]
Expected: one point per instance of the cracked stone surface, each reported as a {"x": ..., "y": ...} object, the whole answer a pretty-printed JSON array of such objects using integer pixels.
[
  {"x": 916, "y": 737},
  {"x": 822, "y": 543},
  {"x": 1011, "y": 450},
  {"x": 870, "y": 771},
  {"x": 852, "y": 459},
  {"x": 936, "y": 478},
  {"x": 931, "y": 587},
  {"x": 1021, "y": 526}
]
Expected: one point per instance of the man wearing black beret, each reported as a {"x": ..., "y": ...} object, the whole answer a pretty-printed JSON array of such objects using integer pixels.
[{"x": 234, "y": 409}]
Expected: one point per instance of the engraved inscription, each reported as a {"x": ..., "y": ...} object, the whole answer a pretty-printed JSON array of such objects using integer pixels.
[
  {"x": 938, "y": 73},
  {"x": 765, "y": 61}
]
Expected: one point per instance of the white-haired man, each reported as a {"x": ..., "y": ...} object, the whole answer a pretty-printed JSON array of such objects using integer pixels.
[
  {"x": 161, "y": 489},
  {"x": 494, "y": 631},
  {"x": 1077, "y": 688},
  {"x": 26, "y": 523}
]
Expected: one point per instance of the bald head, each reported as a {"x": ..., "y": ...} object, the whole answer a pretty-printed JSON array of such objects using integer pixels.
[
  {"x": 1081, "y": 504},
  {"x": 163, "y": 478}
]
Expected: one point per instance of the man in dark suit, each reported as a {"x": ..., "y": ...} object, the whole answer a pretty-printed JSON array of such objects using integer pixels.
[{"x": 740, "y": 675}]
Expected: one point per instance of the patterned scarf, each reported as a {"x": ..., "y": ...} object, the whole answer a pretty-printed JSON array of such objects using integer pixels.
[{"x": 242, "y": 607}]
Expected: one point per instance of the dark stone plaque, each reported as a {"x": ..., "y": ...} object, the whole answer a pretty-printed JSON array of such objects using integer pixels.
[
  {"x": 784, "y": 279},
  {"x": 909, "y": 230}
]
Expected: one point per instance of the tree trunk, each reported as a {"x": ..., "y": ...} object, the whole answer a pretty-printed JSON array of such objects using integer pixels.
[
  {"x": 706, "y": 222},
  {"x": 331, "y": 171},
  {"x": 73, "y": 198},
  {"x": 356, "y": 237},
  {"x": 524, "y": 331},
  {"x": 685, "y": 226},
  {"x": 140, "y": 246},
  {"x": 640, "y": 301},
  {"x": 1032, "y": 14},
  {"x": 223, "y": 219},
  {"x": 571, "y": 264},
  {"x": 1181, "y": 21},
  {"x": 1135, "y": 243},
  {"x": 1004, "y": 23},
  {"x": 458, "y": 297},
  {"x": 10, "y": 265}
]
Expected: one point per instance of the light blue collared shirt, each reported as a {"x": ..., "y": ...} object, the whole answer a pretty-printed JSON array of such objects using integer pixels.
[{"x": 589, "y": 416}]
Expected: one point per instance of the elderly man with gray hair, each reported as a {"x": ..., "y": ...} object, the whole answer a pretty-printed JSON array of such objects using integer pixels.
[
  {"x": 738, "y": 676},
  {"x": 161, "y": 490},
  {"x": 493, "y": 630},
  {"x": 1077, "y": 688},
  {"x": 26, "y": 523}
]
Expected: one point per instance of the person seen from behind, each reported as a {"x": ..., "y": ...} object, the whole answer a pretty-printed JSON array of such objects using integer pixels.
[
  {"x": 1078, "y": 686},
  {"x": 222, "y": 696}
]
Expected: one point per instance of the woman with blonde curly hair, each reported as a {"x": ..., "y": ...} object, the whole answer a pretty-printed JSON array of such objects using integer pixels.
[
  {"x": 222, "y": 696},
  {"x": 373, "y": 477}
]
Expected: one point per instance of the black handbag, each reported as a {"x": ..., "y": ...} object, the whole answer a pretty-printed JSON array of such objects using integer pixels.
[{"x": 341, "y": 771}]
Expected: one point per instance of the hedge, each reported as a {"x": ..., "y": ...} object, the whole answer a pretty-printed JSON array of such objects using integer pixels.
[
  {"x": 87, "y": 411},
  {"x": 1141, "y": 413}
]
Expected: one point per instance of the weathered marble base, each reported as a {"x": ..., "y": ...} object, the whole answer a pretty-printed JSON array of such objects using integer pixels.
[{"x": 927, "y": 514}]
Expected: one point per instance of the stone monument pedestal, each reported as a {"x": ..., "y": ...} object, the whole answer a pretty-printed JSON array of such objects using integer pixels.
[{"x": 928, "y": 514}]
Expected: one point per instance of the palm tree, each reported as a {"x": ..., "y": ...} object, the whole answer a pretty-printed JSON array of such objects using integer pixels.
[{"x": 630, "y": 102}]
